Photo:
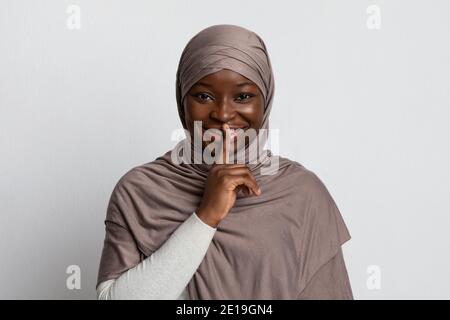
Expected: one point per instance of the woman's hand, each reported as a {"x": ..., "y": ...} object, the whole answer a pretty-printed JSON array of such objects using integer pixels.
[{"x": 223, "y": 183}]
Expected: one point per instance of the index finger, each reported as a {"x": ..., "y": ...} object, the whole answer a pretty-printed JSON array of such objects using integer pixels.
[{"x": 223, "y": 152}]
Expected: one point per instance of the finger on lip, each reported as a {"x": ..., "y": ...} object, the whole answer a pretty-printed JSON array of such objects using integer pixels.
[{"x": 224, "y": 154}]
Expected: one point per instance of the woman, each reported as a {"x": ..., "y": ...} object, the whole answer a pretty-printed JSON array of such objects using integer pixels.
[{"x": 262, "y": 228}]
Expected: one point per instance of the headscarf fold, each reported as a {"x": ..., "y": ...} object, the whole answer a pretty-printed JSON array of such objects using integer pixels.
[{"x": 283, "y": 244}]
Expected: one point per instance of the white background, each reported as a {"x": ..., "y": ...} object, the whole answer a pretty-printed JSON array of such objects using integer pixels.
[{"x": 366, "y": 109}]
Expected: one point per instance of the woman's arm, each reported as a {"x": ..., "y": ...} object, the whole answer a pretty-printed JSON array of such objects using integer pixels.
[{"x": 167, "y": 271}]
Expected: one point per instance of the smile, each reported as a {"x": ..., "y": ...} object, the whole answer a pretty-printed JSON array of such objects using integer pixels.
[{"x": 234, "y": 132}]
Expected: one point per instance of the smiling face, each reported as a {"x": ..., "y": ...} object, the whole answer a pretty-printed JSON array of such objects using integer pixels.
[{"x": 224, "y": 97}]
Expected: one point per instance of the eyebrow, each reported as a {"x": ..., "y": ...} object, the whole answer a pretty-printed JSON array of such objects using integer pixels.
[
  {"x": 238, "y": 85},
  {"x": 245, "y": 84}
]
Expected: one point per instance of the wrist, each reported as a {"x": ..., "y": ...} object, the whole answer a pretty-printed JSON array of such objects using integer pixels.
[{"x": 207, "y": 219}]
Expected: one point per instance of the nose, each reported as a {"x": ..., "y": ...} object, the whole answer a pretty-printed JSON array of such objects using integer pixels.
[{"x": 223, "y": 112}]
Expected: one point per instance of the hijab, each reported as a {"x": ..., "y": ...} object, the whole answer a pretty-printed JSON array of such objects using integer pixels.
[{"x": 283, "y": 244}]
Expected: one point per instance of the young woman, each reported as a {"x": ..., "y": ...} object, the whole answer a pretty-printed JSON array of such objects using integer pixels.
[{"x": 262, "y": 228}]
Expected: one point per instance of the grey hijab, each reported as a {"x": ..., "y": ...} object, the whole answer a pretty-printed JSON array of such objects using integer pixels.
[{"x": 284, "y": 244}]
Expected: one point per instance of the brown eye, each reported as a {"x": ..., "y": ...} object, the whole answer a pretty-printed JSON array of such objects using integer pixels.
[
  {"x": 203, "y": 96},
  {"x": 244, "y": 96}
]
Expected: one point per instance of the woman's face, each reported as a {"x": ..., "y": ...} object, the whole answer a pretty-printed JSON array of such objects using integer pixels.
[{"x": 224, "y": 97}]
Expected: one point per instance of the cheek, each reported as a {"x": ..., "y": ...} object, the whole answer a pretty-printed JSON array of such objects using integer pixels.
[
  {"x": 195, "y": 111},
  {"x": 255, "y": 113}
]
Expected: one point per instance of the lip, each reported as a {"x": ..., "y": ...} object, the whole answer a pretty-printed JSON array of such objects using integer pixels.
[
  {"x": 220, "y": 128},
  {"x": 232, "y": 134}
]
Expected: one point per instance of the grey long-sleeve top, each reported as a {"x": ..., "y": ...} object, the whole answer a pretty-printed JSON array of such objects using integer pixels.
[{"x": 166, "y": 273}]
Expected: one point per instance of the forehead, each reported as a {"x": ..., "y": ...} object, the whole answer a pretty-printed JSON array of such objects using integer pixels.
[{"x": 225, "y": 76}]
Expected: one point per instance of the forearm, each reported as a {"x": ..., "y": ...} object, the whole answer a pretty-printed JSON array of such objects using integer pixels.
[{"x": 167, "y": 271}]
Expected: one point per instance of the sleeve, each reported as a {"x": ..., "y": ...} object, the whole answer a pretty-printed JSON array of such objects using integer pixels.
[
  {"x": 167, "y": 271},
  {"x": 323, "y": 274}
]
